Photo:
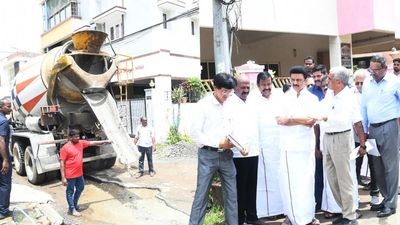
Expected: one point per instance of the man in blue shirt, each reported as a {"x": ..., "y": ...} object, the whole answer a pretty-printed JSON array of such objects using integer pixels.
[
  {"x": 5, "y": 159},
  {"x": 380, "y": 108},
  {"x": 318, "y": 73}
]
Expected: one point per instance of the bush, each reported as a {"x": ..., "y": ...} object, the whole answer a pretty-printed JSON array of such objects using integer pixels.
[{"x": 214, "y": 215}]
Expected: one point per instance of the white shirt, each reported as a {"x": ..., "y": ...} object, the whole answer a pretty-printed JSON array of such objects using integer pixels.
[
  {"x": 211, "y": 122},
  {"x": 144, "y": 136},
  {"x": 342, "y": 110},
  {"x": 244, "y": 125},
  {"x": 298, "y": 137},
  {"x": 267, "y": 109}
]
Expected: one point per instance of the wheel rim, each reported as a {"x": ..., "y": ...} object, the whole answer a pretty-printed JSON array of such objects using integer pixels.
[
  {"x": 17, "y": 156},
  {"x": 28, "y": 164}
]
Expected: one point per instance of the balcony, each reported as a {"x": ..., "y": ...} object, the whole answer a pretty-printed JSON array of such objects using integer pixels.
[
  {"x": 171, "y": 5},
  {"x": 111, "y": 15}
]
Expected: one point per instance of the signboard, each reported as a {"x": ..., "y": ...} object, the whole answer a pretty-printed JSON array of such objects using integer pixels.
[{"x": 345, "y": 50}]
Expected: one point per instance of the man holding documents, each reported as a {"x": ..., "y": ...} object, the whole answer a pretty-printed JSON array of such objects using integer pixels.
[
  {"x": 245, "y": 153},
  {"x": 342, "y": 111},
  {"x": 210, "y": 128},
  {"x": 297, "y": 118},
  {"x": 380, "y": 104}
]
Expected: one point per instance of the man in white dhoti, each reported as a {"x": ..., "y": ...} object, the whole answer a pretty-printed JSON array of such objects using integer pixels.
[
  {"x": 299, "y": 113},
  {"x": 342, "y": 111},
  {"x": 244, "y": 131},
  {"x": 269, "y": 201}
]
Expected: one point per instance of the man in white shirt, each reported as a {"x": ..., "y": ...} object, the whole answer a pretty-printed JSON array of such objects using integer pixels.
[
  {"x": 297, "y": 118},
  {"x": 269, "y": 200},
  {"x": 244, "y": 130},
  {"x": 342, "y": 111},
  {"x": 210, "y": 128},
  {"x": 145, "y": 141}
]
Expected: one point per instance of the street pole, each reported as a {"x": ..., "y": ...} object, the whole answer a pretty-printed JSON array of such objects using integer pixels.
[{"x": 221, "y": 42}]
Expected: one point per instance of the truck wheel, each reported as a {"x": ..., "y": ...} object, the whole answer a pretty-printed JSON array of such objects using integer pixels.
[
  {"x": 30, "y": 167},
  {"x": 110, "y": 162},
  {"x": 18, "y": 155}
]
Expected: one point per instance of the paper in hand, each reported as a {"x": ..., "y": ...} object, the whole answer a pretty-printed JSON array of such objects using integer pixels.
[
  {"x": 372, "y": 149},
  {"x": 234, "y": 142}
]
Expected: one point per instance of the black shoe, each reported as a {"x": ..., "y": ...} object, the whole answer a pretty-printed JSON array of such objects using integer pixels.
[
  {"x": 3, "y": 216},
  {"x": 385, "y": 212},
  {"x": 338, "y": 220},
  {"x": 348, "y": 222},
  {"x": 377, "y": 207},
  {"x": 358, "y": 214}
]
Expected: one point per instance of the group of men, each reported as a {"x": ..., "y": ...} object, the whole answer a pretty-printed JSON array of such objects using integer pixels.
[{"x": 273, "y": 149}]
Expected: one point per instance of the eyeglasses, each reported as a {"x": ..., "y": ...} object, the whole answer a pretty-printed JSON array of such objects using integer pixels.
[
  {"x": 374, "y": 71},
  {"x": 359, "y": 83},
  {"x": 297, "y": 80}
]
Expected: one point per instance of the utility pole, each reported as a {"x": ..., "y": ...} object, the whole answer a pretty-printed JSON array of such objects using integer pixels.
[{"x": 221, "y": 42}]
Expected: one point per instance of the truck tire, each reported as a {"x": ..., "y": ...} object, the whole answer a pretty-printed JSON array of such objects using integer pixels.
[
  {"x": 110, "y": 162},
  {"x": 19, "y": 161},
  {"x": 30, "y": 167}
]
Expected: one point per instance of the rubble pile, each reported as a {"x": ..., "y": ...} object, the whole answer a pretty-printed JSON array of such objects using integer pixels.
[{"x": 179, "y": 150}]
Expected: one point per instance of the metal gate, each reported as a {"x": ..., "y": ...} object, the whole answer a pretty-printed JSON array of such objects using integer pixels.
[{"x": 130, "y": 113}]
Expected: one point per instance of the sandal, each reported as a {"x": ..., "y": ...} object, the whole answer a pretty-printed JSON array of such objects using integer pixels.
[
  {"x": 287, "y": 221},
  {"x": 314, "y": 221},
  {"x": 328, "y": 215}
]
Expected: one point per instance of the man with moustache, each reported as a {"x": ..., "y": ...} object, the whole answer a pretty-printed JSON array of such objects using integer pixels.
[
  {"x": 297, "y": 119},
  {"x": 318, "y": 73},
  {"x": 269, "y": 201},
  {"x": 244, "y": 130},
  {"x": 380, "y": 104},
  {"x": 342, "y": 111},
  {"x": 210, "y": 128},
  {"x": 396, "y": 66}
]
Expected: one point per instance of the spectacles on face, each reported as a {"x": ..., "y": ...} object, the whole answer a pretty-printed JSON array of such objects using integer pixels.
[
  {"x": 359, "y": 83},
  {"x": 308, "y": 64},
  {"x": 374, "y": 71},
  {"x": 396, "y": 64}
]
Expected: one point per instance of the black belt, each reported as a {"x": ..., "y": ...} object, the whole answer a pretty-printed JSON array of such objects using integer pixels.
[
  {"x": 382, "y": 123},
  {"x": 209, "y": 148},
  {"x": 339, "y": 132}
]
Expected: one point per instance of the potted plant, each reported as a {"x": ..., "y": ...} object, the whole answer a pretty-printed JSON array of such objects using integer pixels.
[
  {"x": 194, "y": 89},
  {"x": 177, "y": 95}
]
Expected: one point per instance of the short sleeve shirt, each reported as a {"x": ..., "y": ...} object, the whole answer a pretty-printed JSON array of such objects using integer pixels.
[
  {"x": 5, "y": 132},
  {"x": 72, "y": 154}
]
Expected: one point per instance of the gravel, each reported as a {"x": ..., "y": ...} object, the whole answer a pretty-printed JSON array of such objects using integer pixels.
[{"x": 178, "y": 150}]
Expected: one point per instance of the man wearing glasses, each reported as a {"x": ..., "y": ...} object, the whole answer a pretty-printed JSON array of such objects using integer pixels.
[
  {"x": 210, "y": 130},
  {"x": 380, "y": 106}
]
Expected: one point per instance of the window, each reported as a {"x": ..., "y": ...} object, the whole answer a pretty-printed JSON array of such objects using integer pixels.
[
  {"x": 117, "y": 31},
  {"x": 58, "y": 11},
  {"x": 165, "y": 21},
  {"x": 112, "y": 33},
  {"x": 193, "y": 27},
  {"x": 100, "y": 27}
]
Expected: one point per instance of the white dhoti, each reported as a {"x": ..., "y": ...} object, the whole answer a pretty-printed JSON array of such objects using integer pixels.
[
  {"x": 328, "y": 201},
  {"x": 297, "y": 185},
  {"x": 269, "y": 201}
]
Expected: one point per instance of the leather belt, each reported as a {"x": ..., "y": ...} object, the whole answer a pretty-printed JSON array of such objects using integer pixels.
[
  {"x": 381, "y": 123},
  {"x": 209, "y": 148},
  {"x": 339, "y": 132}
]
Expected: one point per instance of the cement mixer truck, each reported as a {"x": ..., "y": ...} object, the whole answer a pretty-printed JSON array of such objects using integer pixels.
[{"x": 64, "y": 89}]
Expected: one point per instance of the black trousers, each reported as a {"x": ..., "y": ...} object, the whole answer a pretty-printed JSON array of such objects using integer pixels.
[
  {"x": 246, "y": 181},
  {"x": 148, "y": 151},
  {"x": 359, "y": 161}
]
